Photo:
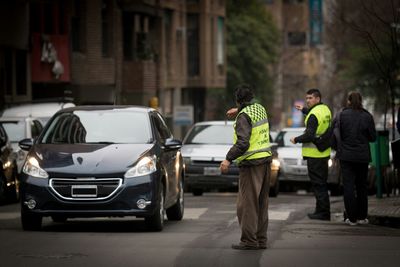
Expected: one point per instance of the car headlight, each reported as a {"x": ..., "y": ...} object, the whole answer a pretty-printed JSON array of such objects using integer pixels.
[
  {"x": 146, "y": 165},
  {"x": 275, "y": 164},
  {"x": 32, "y": 168},
  {"x": 330, "y": 163}
]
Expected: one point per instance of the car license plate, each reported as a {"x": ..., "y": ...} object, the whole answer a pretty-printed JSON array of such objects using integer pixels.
[
  {"x": 84, "y": 190},
  {"x": 212, "y": 171}
]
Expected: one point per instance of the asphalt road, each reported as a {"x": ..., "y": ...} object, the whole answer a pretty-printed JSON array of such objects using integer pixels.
[{"x": 202, "y": 238}]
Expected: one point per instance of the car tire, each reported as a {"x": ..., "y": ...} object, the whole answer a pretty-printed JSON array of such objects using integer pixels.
[
  {"x": 197, "y": 191},
  {"x": 3, "y": 189},
  {"x": 59, "y": 218},
  {"x": 30, "y": 221},
  {"x": 155, "y": 222},
  {"x": 274, "y": 191},
  {"x": 175, "y": 213},
  {"x": 14, "y": 190}
]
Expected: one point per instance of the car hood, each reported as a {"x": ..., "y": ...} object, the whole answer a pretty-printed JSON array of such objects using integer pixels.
[
  {"x": 289, "y": 152},
  {"x": 88, "y": 159},
  {"x": 205, "y": 152}
]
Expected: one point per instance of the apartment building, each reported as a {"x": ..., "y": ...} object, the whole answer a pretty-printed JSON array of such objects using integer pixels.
[
  {"x": 114, "y": 51},
  {"x": 303, "y": 60}
]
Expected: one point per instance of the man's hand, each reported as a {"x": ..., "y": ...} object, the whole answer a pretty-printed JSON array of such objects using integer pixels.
[
  {"x": 224, "y": 166},
  {"x": 292, "y": 140},
  {"x": 299, "y": 107},
  {"x": 232, "y": 113}
]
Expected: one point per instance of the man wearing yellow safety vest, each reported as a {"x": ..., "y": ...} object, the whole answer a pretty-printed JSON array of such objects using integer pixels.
[
  {"x": 252, "y": 153},
  {"x": 317, "y": 121}
]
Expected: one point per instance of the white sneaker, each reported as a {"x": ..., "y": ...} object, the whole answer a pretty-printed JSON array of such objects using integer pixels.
[
  {"x": 347, "y": 221},
  {"x": 365, "y": 221}
]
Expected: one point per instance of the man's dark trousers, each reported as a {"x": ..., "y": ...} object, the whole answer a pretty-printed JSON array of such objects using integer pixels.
[{"x": 318, "y": 173}]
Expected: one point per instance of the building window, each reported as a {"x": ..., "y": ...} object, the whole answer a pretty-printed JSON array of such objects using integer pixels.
[
  {"x": 220, "y": 44},
  {"x": 78, "y": 26},
  {"x": 193, "y": 48},
  {"x": 138, "y": 43},
  {"x": 296, "y": 38},
  {"x": 168, "y": 39},
  {"x": 106, "y": 28}
]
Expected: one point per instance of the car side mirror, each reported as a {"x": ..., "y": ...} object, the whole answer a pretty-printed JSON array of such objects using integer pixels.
[
  {"x": 172, "y": 144},
  {"x": 26, "y": 144}
]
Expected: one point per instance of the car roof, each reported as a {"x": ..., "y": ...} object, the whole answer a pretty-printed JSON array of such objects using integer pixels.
[
  {"x": 108, "y": 107},
  {"x": 6, "y": 119},
  {"x": 293, "y": 129},
  {"x": 36, "y": 110},
  {"x": 214, "y": 123}
]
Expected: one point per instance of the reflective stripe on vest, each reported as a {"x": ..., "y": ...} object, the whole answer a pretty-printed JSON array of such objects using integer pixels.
[
  {"x": 324, "y": 117},
  {"x": 259, "y": 140}
]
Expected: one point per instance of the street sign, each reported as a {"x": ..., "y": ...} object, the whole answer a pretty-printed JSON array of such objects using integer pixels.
[{"x": 183, "y": 115}]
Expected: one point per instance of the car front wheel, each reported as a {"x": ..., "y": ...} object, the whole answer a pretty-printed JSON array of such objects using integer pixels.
[
  {"x": 30, "y": 221},
  {"x": 155, "y": 222},
  {"x": 175, "y": 213}
]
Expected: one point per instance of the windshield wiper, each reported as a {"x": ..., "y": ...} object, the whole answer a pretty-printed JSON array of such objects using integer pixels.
[{"x": 101, "y": 142}]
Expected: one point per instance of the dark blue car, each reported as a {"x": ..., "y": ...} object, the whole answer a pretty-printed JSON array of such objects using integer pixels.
[{"x": 103, "y": 161}]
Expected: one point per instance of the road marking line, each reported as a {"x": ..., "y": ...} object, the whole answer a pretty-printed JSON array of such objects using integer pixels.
[
  {"x": 194, "y": 213},
  {"x": 9, "y": 215}
]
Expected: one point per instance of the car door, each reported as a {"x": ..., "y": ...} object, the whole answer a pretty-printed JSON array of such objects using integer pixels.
[{"x": 167, "y": 157}]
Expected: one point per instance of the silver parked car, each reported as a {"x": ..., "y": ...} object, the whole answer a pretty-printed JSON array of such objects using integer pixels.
[
  {"x": 293, "y": 168},
  {"x": 204, "y": 147}
]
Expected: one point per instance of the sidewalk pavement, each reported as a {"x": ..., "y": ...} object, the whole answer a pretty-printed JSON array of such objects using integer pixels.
[
  {"x": 384, "y": 210},
  {"x": 381, "y": 211}
]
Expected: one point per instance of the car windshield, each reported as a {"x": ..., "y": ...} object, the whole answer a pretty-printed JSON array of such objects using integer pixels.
[
  {"x": 15, "y": 130},
  {"x": 210, "y": 134},
  {"x": 98, "y": 126},
  {"x": 283, "y": 138}
]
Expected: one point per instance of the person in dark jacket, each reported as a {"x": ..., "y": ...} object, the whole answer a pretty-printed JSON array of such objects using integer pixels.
[
  {"x": 357, "y": 130},
  {"x": 252, "y": 153}
]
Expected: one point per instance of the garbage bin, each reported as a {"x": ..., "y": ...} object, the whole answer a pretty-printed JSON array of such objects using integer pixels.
[
  {"x": 380, "y": 157},
  {"x": 382, "y": 141}
]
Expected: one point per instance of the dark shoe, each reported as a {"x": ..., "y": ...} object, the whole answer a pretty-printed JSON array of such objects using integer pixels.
[
  {"x": 243, "y": 247},
  {"x": 319, "y": 216}
]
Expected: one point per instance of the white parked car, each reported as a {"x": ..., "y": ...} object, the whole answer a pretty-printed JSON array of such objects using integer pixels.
[
  {"x": 27, "y": 121},
  {"x": 41, "y": 111},
  {"x": 18, "y": 128},
  {"x": 293, "y": 168},
  {"x": 204, "y": 147}
]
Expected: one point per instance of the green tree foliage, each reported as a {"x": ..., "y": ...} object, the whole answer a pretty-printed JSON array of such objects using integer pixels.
[{"x": 252, "y": 42}]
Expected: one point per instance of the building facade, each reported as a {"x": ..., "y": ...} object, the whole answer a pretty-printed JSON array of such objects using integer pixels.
[
  {"x": 303, "y": 60},
  {"x": 166, "y": 53}
]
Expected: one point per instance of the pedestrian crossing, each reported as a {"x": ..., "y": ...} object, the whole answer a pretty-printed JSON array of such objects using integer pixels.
[{"x": 190, "y": 214}]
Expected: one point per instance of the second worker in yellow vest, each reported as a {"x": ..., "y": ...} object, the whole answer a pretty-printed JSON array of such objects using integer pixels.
[{"x": 317, "y": 121}]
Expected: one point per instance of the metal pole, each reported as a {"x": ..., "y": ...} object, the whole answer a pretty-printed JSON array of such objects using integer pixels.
[{"x": 378, "y": 168}]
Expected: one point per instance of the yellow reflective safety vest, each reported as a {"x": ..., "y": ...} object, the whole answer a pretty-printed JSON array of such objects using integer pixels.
[
  {"x": 324, "y": 117},
  {"x": 259, "y": 139}
]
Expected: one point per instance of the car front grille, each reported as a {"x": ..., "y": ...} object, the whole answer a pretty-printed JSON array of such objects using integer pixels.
[
  {"x": 292, "y": 161},
  {"x": 85, "y": 188}
]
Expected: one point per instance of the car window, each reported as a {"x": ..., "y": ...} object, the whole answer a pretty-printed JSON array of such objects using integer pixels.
[
  {"x": 210, "y": 134},
  {"x": 36, "y": 128},
  {"x": 15, "y": 130},
  {"x": 283, "y": 138},
  {"x": 3, "y": 135},
  {"x": 161, "y": 127},
  {"x": 98, "y": 126}
]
